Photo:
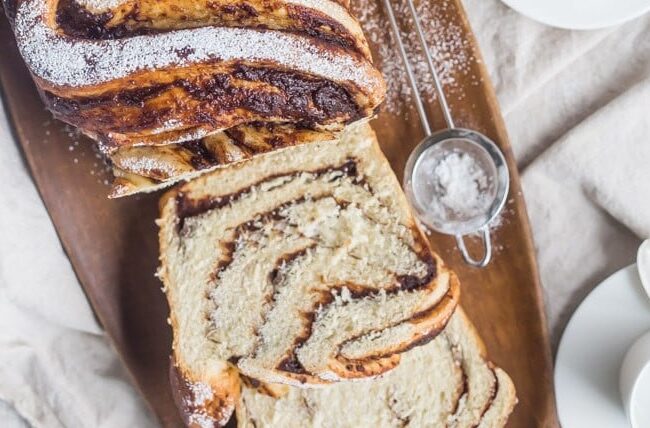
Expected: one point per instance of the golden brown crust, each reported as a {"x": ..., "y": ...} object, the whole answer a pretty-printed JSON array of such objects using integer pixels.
[
  {"x": 140, "y": 17},
  {"x": 205, "y": 404},
  {"x": 323, "y": 79},
  {"x": 430, "y": 323},
  {"x": 179, "y": 104}
]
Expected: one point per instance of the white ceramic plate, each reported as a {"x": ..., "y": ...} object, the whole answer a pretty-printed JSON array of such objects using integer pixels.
[
  {"x": 592, "y": 349},
  {"x": 580, "y": 14}
]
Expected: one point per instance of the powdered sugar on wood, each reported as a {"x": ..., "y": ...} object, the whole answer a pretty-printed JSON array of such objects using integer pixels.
[{"x": 452, "y": 53}]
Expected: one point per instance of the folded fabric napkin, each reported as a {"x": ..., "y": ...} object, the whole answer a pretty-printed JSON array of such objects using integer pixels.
[
  {"x": 56, "y": 367},
  {"x": 576, "y": 106}
]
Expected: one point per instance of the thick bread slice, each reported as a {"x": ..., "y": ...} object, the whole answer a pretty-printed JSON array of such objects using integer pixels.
[
  {"x": 446, "y": 383},
  {"x": 302, "y": 266}
]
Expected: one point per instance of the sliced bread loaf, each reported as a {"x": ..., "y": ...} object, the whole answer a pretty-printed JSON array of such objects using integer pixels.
[
  {"x": 301, "y": 266},
  {"x": 446, "y": 383}
]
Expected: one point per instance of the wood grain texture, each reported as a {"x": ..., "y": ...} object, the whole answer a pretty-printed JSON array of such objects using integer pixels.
[{"x": 113, "y": 244}]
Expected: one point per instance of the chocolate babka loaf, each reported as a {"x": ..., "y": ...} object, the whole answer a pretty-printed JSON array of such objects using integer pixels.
[
  {"x": 147, "y": 72},
  {"x": 303, "y": 267},
  {"x": 446, "y": 383}
]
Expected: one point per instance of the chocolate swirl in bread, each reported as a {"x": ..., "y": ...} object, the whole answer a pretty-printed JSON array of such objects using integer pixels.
[
  {"x": 301, "y": 266},
  {"x": 446, "y": 383},
  {"x": 157, "y": 72},
  {"x": 321, "y": 19}
]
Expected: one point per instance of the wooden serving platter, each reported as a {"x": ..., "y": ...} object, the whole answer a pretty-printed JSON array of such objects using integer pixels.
[{"x": 113, "y": 244}]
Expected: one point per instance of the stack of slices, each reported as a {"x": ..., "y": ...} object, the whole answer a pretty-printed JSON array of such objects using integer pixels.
[{"x": 301, "y": 290}]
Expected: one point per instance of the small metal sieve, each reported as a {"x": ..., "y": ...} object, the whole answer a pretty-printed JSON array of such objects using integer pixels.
[{"x": 435, "y": 147}]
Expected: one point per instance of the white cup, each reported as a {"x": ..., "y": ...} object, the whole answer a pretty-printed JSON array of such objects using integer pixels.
[{"x": 634, "y": 382}]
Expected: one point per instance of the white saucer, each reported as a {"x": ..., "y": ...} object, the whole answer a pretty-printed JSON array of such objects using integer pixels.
[
  {"x": 580, "y": 14},
  {"x": 592, "y": 349}
]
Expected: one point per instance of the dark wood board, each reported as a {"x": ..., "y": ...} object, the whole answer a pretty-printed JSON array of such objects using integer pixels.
[{"x": 112, "y": 244}]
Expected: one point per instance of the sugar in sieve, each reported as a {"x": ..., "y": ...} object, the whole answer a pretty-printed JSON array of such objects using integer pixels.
[{"x": 480, "y": 156}]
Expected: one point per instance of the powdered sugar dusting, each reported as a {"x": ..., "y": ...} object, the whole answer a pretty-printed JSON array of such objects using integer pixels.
[
  {"x": 201, "y": 393},
  {"x": 65, "y": 61},
  {"x": 101, "y": 5},
  {"x": 459, "y": 187},
  {"x": 453, "y": 54},
  {"x": 454, "y": 187}
]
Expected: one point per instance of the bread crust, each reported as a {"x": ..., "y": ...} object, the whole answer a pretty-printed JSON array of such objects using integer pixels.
[{"x": 206, "y": 402}]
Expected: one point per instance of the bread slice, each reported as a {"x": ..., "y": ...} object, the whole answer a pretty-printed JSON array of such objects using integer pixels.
[
  {"x": 447, "y": 382},
  {"x": 302, "y": 266},
  {"x": 149, "y": 168}
]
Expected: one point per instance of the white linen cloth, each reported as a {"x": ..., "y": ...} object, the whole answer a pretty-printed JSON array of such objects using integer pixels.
[{"x": 577, "y": 107}]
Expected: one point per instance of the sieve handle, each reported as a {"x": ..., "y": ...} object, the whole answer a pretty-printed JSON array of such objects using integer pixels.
[{"x": 487, "y": 249}]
